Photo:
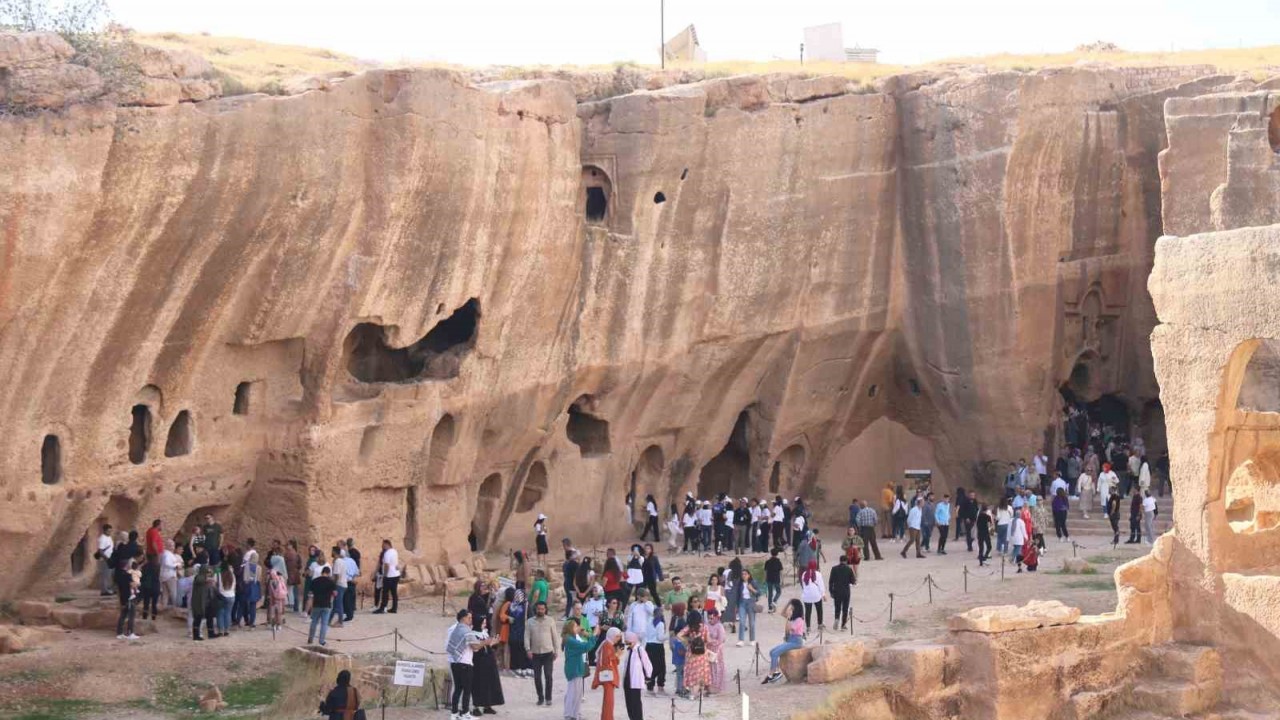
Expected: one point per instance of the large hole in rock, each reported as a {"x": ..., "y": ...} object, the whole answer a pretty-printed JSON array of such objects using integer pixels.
[
  {"x": 486, "y": 508},
  {"x": 535, "y": 488},
  {"x": 437, "y": 356},
  {"x": 244, "y": 397},
  {"x": 588, "y": 432},
  {"x": 139, "y": 434},
  {"x": 729, "y": 472},
  {"x": 51, "y": 460},
  {"x": 1252, "y": 495},
  {"x": 596, "y": 189},
  {"x": 181, "y": 436}
]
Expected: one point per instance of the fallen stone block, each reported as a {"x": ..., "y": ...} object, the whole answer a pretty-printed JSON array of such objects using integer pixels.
[
  {"x": 1077, "y": 566},
  {"x": 794, "y": 664},
  {"x": 837, "y": 661},
  {"x": 31, "y": 612},
  {"x": 1005, "y": 618}
]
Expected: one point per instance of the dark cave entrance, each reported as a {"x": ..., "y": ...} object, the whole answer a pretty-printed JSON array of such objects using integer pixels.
[
  {"x": 139, "y": 434},
  {"x": 437, "y": 356},
  {"x": 596, "y": 189},
  {"x": 729, "y": 472},
  {"x": 51, "y": 460},
  {"x": 244, "y": 396},
  {"x": 588, "y": 432}
]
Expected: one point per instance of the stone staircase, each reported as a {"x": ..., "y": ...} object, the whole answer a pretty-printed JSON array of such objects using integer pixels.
[{"x": 1180, "y": 681}]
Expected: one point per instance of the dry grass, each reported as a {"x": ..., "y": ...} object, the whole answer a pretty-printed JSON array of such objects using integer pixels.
[{"x": 247, "y": 65}]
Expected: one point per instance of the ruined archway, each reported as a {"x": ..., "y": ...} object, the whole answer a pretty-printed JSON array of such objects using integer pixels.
[
  {"x": 1260, "y": 384},
  {"x": 729, "y": 472},
  {"x": 181, "y": 436},
  {"x": 442, "y": 440},
  {"x": 588, "y": 432},
  {"x": 534, "y": 490},
  {"x": 597, "y": 193},
  {"x": 486, "y": 509},
  {"x": 646, "y": 479},
  {"x": 121, "y": 513},
  {"x": 437, "y": 356}
]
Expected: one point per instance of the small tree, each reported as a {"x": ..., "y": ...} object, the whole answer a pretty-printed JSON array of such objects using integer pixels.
[{"x": 86, "y": 26}]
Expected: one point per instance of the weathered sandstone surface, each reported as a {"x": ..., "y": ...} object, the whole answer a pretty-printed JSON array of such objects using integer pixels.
[{"x": 403, "y": 303}]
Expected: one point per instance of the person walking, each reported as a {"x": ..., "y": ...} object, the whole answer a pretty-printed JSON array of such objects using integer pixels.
[
  {"x": 486, "y": 682},
  {"x": 1061, "y": 506},
  {"x": 1004, "y": 516},
  {"x": 887, "y": 500},
  {"x": 689, "y": 520},
  {"x": 1085, "y": 485},
  {"x": 1149, "y": 512},
  {"x": 322, "y": 592},
  {"x": 542, "y": 640},
  {"x": 984, "y": 522},
  {"x": 651, "y": 569},
  {"x": 900, "y": 514},
  {"x": 867, "y": 529},
  {"x": 792, "y": 639},
  {"x": 773, "y": 578},
  {"x": 913, "y": 520},
  {"x": 655, "y": 646},
  {"x": 577, "y": 643},
  {"x": 942, "y": 516},
  {"x": 293, "y": 566},
  {"x": 1018, "y": 536},
  {"x": 748, "y": 594},
  {"x": 697, "y": 665},
  {"x": 679, "y": 652},
  {"x": 460, "y": 652},
  {"x": 1112, "y": 510},
  {"x": 390, "y": 579},
  {"x": 1135, "y": 519},
  {"x": 339, "y": 575},
  {"x": 150, "y": 586},
  {"x": 840, "y": 585},
  {"x": 651, "y": 519},
  {"x": 928, "y": 520},
  {"x": 277, "y": 596},
  {"x": 812, "y": 592},
  {"x": 607, "y": 675},
  {"x": 636, "y": 669}
]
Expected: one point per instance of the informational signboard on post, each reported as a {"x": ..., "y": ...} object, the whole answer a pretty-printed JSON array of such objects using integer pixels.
[{"x": 409, "y": 673}]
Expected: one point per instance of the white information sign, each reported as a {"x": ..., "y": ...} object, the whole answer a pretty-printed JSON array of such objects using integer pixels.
[{"x": 409, "y": 673}]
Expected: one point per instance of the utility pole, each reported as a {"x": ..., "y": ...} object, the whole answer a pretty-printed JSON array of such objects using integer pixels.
[
  {"x": 662, "y": 34},
  {"x": 801, "y": 53}
]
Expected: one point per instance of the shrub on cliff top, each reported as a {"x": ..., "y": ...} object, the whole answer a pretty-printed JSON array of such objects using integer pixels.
[{"x": 86, "y": 26}]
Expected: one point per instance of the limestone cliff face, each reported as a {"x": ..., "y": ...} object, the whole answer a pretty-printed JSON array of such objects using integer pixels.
[{"x": 406, "y": 303}]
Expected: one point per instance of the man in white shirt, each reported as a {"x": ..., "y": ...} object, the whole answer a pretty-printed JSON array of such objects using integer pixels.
[
  {"x": 341, "y": 578},
  {"x": 704, "y": 525},
  {"x": 1149, "y": 517},
  {"x": 797, "y": 529},
  {"x": 170, "y": 565},
  {"x": 105, "y": 546},
  {"x": 779, "y": 518},
  {"x": 914, "y": 516},
  {"x": 390, "y": 579},
  {"x": 1058, "y": 484}
]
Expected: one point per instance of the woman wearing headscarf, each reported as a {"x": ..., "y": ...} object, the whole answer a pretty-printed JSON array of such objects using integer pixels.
[
  {"x": 486, "y": 683},
  {"x": 607, "y": 671},
  {"x": 812, "y": 592},
  {"x": 478, "y": 603},
  {"x": 635, "y": 669},
  {"x": 576, "y": 643},
  {"x": 343, "y": 701},
  {"x": 540, "y": 539},
  {"x": 716, "y": 637},
  {"x": 697, "y": 664},
  {"x": 517, "y": 654}
]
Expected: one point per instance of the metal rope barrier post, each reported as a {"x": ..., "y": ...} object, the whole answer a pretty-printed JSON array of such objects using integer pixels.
[
  {"x": 673, "y": 709},
  {"x": 1002, "y": 557},
  {"x": 966, "y": 578},
  {"x": 700, "y": 701},
  {"x": 891, "y": 607},
  {"x": 738, "y": 677},
  {"x": 1074, "y": 547},
  {"x": 396, "y": 642},
  {"x": 928, "y": 581}
]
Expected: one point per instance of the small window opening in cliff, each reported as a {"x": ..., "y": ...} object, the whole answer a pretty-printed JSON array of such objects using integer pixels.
[
  {"x": 535, "y": 488},
  {"x": 596, "y": 190},
  {"x": 180, "y": 436},
  {"x": 437, "y": 356},
  {"x": 684, "y": 173},
  {"x": 589, "y": 433},
  {"x": 871, "y": 391},
  {"x": 51, "y": 460},
  {"x": 1273, "y": 130},
  {"x": 244, "y": 399},
  {"x": 659, "y": 198},
  {"x": 729, "y": 471},
  {"x": 411, "y": 519},
  {"x": 140, "y": 434},
  {"x": 914, "y": 385},
  {"x": 486, "y": 508}
]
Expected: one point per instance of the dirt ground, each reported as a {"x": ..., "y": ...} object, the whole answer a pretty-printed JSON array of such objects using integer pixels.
[{"x": 90, "y": 675}]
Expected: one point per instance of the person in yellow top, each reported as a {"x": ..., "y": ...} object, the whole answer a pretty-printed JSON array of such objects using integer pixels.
[{"x": 887, "y": 496}]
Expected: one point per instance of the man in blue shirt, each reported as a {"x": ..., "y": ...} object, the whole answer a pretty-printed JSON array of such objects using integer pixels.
[{"x": 942, "y": 516}]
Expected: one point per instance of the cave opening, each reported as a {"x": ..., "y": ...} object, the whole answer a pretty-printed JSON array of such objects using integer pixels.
[
  {"x": 535, "y": 488},
  {"x": 596, "y": 189},
  {"x": 442, "y": 439},
  {"x": 588, "y": 432},
  {"x": 486, "y": 507},
  {"x": 597, "y": 204},
  {"x": 51, "y": 460},
  {"x": 437, "y": 356},
  {"x": 659, "y": 198},
  {"x": 243, "y": 399},
  {"x": 646, "y": 479},
  {"x": 181, "y": 437},
  {"x": 729, "y": 471},
  {"x": 140, "y": 434},
  {"x": 411, "y": 519}
]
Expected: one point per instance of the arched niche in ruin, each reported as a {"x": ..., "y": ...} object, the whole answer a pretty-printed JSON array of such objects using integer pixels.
[
  {"x": 437, "y": 356},
  {"x": 880, "y": 453},
  {"x": 181, "y": 436},
  {"x": 597, "y": 195},
  {"x": 1252, "y": 495},
  {"x": 535, "y": 488},
  {"x": 443, "y": 438},
  {"x": 787, "y": 474},
  {"x": 646, "y": 479},
  {"x": 1248, "y": 458},
  {"x": 589, "y": 432},
  {"x": 121, "y": 512},
  {"x": 146, "y": 403},
  {"x": 487, "y": 509},
  {"x": 1260, "y": 384},
  {"x": 729, "y": 471},
  {"x": 51, "y": 460}
]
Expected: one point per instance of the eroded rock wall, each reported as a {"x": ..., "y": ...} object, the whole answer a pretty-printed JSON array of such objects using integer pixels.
[{"x": 385, "y": 312}]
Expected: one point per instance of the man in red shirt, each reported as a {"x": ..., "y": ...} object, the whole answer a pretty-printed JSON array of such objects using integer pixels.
[{"x": 154, "y": 543}]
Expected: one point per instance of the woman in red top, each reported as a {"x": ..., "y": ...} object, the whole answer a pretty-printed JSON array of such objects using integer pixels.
[{"x": 613, "y": 579}]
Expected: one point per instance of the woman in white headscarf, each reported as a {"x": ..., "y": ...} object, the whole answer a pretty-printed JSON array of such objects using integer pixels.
[
  {"x": 607, "y": 675},
  {"x": 635, "y": 668}
]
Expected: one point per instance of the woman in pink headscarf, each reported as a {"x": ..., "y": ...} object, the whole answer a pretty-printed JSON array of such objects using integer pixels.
[{"x": 716, "y": 636}]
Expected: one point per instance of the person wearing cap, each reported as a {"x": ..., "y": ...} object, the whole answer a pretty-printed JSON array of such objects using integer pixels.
[{"x": 704, "y": 526}]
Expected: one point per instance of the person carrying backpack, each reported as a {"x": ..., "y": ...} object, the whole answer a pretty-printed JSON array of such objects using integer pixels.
[{"x": 697, "y": 661}]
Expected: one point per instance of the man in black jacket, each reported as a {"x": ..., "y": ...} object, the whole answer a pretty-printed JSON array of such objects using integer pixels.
[{"x": 840, "y": 584}]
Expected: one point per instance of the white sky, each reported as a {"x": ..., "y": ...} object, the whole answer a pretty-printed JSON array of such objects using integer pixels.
[{"x": 526, "y": 32}]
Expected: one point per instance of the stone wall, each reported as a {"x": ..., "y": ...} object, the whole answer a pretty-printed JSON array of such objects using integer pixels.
[{"x": 404, "y": 302}]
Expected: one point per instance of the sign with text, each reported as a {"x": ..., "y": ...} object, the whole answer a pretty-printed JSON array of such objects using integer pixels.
[{"x": 409, "y": 673}]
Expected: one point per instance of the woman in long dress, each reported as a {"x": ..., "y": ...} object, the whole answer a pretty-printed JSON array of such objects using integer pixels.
[
  {"x": 697, "y": 665},
  {"x": 716, "y": 637},
  {"x": 486, "y": 683}
]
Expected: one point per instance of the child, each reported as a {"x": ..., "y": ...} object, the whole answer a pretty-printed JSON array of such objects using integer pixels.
[
  {"x": 677, "y": 647},
  {"x": 1030, "y": 557}
]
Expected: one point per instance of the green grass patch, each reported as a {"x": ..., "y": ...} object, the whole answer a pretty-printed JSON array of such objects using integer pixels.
[{"x": 1101, "y": 585}]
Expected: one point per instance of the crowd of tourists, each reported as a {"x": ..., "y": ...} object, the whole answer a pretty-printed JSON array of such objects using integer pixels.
[{"x": 221, "y": 585}]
